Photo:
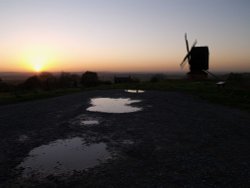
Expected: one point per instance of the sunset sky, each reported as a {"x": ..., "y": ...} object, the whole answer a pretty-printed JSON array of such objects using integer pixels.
[{"x": 122, "y": 35}]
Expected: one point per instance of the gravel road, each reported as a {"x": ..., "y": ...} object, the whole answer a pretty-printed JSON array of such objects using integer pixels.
[{"x": 177, "y": 140}]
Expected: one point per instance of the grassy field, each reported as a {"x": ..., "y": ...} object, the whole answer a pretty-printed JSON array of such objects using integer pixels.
[
  {"x": 235, "y": 94},
  {"x": 21, "y": 96}
]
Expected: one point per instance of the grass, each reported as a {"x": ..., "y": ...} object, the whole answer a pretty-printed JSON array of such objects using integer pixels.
[
  {"x": 235, "y": 94},
  {"x": 21, "y": 96}
]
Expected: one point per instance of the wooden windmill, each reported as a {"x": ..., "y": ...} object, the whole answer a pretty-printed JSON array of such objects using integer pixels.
[{"x": 198, "y": 60}]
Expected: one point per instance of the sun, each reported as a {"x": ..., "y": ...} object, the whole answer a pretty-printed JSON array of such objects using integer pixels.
[
  {"x": 38, "y": 63},
  {"x": 38, "y": 59},
  {"x": 38, "y": 67}
]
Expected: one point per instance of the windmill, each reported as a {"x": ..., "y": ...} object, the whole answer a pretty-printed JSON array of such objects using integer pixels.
[{"x": 198, "y": 60}]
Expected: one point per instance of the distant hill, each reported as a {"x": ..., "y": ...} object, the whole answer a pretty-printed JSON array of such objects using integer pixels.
[
  {"x": 16, "y": 77},
  {"x": 108, "y": 76}
]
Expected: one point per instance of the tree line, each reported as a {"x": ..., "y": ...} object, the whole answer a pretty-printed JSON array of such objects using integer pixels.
[{"x": 48, "y": 81}]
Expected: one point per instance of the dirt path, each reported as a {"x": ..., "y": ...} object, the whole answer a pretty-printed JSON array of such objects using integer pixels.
[{"x": 176, "y": 141}]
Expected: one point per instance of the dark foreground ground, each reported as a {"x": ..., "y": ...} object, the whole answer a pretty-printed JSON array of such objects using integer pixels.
[{"x": 176, "y": 141}]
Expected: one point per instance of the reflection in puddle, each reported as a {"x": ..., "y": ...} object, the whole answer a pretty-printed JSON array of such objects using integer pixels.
[
  {"x": 111, "y": 105},
  {"x": 62, "y": 157},
  {"x": 86, "y": 120},
  {"x": 134, "y": 91},
  {"x": 23, "y": 138},
  {"x": 90, "y": 122},
  {"x": 127, "y": 142}
]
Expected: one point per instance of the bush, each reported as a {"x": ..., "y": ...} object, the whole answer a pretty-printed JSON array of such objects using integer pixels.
[
  {"x": 90, "y": 79},
  {"x": 157, "y": 78},
  {"x": 48, "y": 81},
  {"x": 4, "y": 86},
  {"x": 32, "y": 82}
]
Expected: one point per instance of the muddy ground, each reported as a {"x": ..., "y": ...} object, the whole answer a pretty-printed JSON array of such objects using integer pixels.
[{"x": 177, "y": 140}]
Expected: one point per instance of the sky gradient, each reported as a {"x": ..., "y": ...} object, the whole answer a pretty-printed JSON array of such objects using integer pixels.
[{"x": 122, "y": 35}]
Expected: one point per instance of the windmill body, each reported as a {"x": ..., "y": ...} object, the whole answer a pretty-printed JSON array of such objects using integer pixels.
[{"x": 198, "y": 60}]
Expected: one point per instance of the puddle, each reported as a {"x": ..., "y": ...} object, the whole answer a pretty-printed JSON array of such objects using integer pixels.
[
  {"x": 90, "y": 122},
  {"x": 63, "y": 157},
  {"x": 113, "y": 105},
  {"x": 134, "y": 91}
]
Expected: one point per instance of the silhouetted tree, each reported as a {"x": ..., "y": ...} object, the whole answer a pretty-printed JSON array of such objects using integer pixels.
[
  {"x": 235, "y": 77},
  {"x": 4, "y": 86},
  {"x": 32, "y": 82},
  {"x": 90, "y": 79},
  {"x": 128, "y": 79},
  {"x": 48, "y": 81},
  {"x": 76, "y": 79},
  {"x": 157, "y": 78},
  {"x": 65, "y": 80}
]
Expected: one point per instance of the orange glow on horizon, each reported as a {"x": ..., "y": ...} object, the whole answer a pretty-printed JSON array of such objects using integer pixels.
[{"x": 37, "y": 59}]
